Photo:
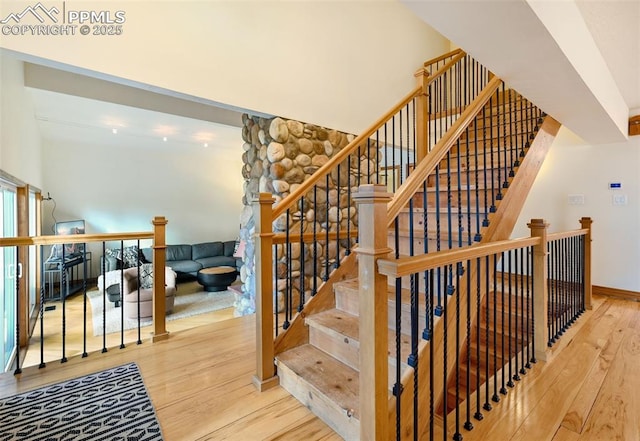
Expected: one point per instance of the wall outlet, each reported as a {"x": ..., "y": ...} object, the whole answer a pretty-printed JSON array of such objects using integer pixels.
[{"x": 619, "y": 199}]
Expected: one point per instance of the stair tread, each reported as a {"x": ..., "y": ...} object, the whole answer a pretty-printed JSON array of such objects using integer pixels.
[{"x": 337, "y": 381}]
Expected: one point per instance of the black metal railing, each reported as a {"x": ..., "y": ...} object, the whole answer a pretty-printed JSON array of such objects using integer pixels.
[
  {"x": 316, "y": 229},
  {"x": 457, "y": 199},
  {"x": 565, "y": 284},
  {"x": 70, "y": 330},
  {"x": 483, "y": 340}
]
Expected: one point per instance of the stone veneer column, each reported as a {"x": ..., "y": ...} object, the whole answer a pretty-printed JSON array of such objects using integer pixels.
[{"x": 278, "y": 156}]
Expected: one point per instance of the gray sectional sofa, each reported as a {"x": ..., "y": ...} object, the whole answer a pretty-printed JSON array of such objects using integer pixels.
[{"x": 186, "y": 260}]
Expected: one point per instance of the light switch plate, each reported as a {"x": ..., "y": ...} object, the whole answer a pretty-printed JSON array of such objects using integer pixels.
[{"x": 575, "y": 199}]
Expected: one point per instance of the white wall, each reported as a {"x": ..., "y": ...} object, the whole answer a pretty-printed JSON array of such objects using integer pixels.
[
  {"x": 19, "y": 135},
  {"x": 121, "y": 188},
  {"x": 339, "y": 64},
  {"x": 574, "y": 167}
]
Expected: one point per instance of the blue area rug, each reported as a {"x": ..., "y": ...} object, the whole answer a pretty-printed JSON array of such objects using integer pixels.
[{"x": 108, "y": 405}]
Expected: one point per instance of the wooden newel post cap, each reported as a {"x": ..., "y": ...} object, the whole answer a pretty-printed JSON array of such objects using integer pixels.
[
  {"x": 159, "y": 220},
  {"x": 372, "y": 192},
  {"x": 586, "y": 222}
]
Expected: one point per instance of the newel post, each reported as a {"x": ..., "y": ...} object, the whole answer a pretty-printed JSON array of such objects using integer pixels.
[
  {"x": 159, "y": 263},
  {"x": 265, "y": 377},
  {"x": 374, "y": 360},
  {"x": 422, "y": 115},
  {"x": 586, "y": 222},
  {"x": 538, "y": 228}
]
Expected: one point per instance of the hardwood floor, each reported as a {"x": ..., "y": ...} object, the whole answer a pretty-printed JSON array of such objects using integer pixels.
[
  {"x": 587, "y": 391},
  {"x": 199, "y": 380},
  {"x": 200, "y": 383}
]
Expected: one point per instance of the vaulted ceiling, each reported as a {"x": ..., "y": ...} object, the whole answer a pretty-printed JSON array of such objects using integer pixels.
[{"x": 577, "y": 60}]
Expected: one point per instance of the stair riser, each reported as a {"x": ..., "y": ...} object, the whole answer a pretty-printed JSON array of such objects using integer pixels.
[
  {"x": 347, "y": 301},
  {"x": 325, "y": 409},
  {"x": 347, "y": 350}
]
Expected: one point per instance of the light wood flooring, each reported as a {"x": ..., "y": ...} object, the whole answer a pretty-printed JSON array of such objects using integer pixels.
[{"x": 200, "y": 383}]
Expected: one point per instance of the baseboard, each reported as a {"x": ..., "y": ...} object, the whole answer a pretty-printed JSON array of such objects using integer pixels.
[{"x": 615, "y": 292}]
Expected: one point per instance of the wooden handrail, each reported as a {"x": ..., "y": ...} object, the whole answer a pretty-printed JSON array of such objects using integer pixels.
[
  {"x": 566, "y": 234},
  {"x": 442, "y": 57},
  {"x": 424, "y": 168},
  {"x": 447, "y": 66},
  {"x": 287, "y": 202},
  {"x": 72, "y": 238},
  {"x": 415, "y": 264}
]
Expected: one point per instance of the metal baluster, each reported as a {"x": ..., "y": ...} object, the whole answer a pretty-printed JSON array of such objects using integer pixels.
[
  {"x": 493, "y": 208},
  {"x": 449, "y": 200},
  {"x": 315, "y": 241},
  {"x": 325, "y": 276},
  {"x": 513, "y": 143},
  {"x": 428, "y": 279},
  {"x": 478, "y": 236},
  {"x": 478, "y": 415},
  {"x": 510, "y": 345},
  {"x": 522, "y": 313},
  {"x": 42, "y": 301},
  {"x": 139, "y": 340},
  {"x": 63, "y": 294},
  {"x": 445, "y": 367},
  {"x": 550, "y": 304},
  {"x": 457, "y": 435},
  {"x": 287, "y": 290},
  {"x": 122, "y": 309},
  {"x": 274, "y": 290},
  {"x": 485, "y": 221},
  {"x": 503, "y": 388},
  {"x": 505, "y": 183},
  {"x": 18, "y": 369},
  {"x": 468, "y": 425},
  {"x": 516, "y": 313},
  {"x": 339, "y": 215},
  {"x": 495, "y": 398},
  {"x": 84, "y": 301},
  {"x": 431, "y": 364},
  {"x": 529, "y": 319},
  {"x": 397, "y": 388},
  {"x": 104, "y": 300},
  {"x": 501, "y": 138},
  {"x": 487, "y": 405},
  {"x": 468, "y": 172},
  {"x": 302, "y": 280}
]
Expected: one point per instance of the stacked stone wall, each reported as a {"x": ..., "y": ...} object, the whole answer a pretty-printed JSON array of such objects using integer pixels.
[{"x": 279, "y": 155}]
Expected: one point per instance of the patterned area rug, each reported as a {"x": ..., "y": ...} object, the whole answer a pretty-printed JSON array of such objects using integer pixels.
[
  {"x": 191, "y": 300},
  {"x": 107, "y": 405}
]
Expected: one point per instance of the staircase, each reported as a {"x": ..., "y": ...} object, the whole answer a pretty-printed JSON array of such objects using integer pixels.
[
  {"x": 463, "y": 199},
  {"x": 323, "y": 374}
]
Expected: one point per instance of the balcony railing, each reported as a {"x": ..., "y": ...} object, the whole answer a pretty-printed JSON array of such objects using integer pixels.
[{"x": 66, "y": 262}]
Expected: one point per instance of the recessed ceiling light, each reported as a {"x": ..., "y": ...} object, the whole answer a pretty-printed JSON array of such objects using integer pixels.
[
  {"x": 206, "y": 144},
  {"x": 114, "y": 131},
  {"x": 164, "y": 138}
]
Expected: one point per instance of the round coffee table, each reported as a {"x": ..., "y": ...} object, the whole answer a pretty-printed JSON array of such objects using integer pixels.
[
  {"x": 217, "y": 278},
  {"x": 113, "y": 294}
]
